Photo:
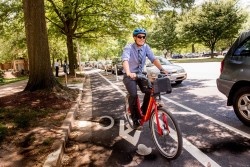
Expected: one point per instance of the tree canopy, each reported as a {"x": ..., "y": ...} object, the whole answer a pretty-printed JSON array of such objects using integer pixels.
[
  {"x": 12, "y": 31},
  {"x": 98, "y": 29},
  {"x": 164, "y": 35},
  {"x": 212, "y": 22},
  {"x": 89, "y": 20}
]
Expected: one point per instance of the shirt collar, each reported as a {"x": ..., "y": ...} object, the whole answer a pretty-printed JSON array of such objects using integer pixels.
[{"x": 137, "y": 48}]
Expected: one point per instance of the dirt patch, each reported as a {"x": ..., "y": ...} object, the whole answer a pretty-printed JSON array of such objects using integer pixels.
[{"x": 30, "y": 145}]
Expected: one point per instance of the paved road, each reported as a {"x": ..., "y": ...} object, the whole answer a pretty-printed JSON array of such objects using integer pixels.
[{"x": 212, "y": 133}]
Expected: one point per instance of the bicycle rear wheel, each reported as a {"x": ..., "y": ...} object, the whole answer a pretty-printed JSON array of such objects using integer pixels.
[{"x": 169, "y": 142}]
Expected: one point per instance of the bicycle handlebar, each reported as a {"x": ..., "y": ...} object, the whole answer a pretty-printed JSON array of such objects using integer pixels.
[{"x": 142, "y": 76}]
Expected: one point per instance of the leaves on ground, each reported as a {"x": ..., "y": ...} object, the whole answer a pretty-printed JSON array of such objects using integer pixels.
[{"x": 29, "y": 145}]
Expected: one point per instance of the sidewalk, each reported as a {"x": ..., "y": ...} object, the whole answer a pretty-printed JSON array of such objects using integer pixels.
[
  {"x": 12, "y": 88},
  {"x": 19, "y": 86}
]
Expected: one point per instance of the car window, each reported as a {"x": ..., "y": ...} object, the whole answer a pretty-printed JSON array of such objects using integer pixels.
[
  {"x": 244, "y": 49},
  {"x": 164, "y": 61}
]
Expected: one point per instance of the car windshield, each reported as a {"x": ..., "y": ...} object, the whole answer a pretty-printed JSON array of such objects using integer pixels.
[{"x": 164, "y": 61}]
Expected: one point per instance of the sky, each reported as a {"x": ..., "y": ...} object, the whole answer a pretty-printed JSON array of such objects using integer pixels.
[{"x": 245, "y": 4}]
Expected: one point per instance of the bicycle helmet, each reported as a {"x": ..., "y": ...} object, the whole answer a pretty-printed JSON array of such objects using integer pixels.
[{"x": 139, "y": 31}]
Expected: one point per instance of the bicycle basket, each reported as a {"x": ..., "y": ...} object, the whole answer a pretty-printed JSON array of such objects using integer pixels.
[{"x": 162, "y": 85}]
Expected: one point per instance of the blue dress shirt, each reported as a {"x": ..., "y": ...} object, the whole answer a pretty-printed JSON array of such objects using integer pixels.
[{"x": 130, "y": 53}]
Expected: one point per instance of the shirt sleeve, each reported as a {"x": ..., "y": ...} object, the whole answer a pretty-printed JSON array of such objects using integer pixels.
[
  {"x": 149, "y": 53},
  {"x": 126, "y": 52}
]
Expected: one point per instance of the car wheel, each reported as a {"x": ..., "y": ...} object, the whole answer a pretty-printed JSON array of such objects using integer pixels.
[
  {"x": 241, "y": 104},
  {"x": 178, "y": 82}
]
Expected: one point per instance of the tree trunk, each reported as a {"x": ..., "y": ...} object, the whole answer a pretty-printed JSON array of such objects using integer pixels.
[
  {"x": 193, "y": 48},
  {"x": 71, "y": 54},
  {"x": 212, "y": 50},
  {"x": 40, "y": 75}
]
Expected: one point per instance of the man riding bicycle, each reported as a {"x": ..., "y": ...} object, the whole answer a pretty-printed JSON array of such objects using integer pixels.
[{"x": 134, "y": 58}]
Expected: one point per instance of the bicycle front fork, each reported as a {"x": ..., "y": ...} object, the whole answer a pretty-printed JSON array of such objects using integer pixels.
[{"x": 162, "y": 123}]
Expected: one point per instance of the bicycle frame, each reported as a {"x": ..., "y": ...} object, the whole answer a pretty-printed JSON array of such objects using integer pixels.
[
  {"x": 167, "y": 141},
  {"x": 152, "y": 106}
]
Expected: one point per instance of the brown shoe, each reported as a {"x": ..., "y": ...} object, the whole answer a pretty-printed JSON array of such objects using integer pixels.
[
  {"x": 159, "y": 105},
  {"x": 137, "y": 125}
]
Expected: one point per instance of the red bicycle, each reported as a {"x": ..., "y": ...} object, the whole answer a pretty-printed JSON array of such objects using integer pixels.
[{"x": 164, "y": 128}]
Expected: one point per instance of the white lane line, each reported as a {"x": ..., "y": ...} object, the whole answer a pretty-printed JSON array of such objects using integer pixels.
[
  {"x": 116, "y": 87},
  {"x": 209, "y": 118},
  {"x": 198, "y": 155},
  {"x": 194, "y": 151},
  {"x": 183, "y": 113}
]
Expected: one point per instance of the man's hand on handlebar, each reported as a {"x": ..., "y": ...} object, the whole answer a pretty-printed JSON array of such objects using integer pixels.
[
  {"x": 132, "y": 75},
  {"x": 143, "y": 76},
  {"x": 163, "y": 71}
]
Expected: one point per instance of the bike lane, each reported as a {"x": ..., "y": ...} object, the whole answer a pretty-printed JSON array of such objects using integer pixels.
[
  {"x": 211, "y": 142},
  {"x": 100, "y": 136}
]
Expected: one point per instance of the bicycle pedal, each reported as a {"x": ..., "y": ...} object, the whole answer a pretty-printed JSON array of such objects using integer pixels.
[
  {"x": 137, "y": 125},
  {"x": 159, "y": 105}
]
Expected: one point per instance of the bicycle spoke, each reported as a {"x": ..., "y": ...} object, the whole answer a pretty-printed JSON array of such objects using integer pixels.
[{"x": 169, "y": 143}]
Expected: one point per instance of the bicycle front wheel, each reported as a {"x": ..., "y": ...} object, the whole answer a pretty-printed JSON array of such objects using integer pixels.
[{"x": 166, "y": 134}]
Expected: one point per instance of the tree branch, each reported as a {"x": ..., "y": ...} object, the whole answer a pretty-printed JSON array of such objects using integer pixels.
[{"x": 57, "y": 11}]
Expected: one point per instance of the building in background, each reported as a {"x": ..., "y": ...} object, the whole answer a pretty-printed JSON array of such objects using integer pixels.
[{"x": 17, "y": 65}]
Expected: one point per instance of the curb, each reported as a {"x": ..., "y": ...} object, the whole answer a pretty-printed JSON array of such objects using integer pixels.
[{"x": 54, "y": 158}]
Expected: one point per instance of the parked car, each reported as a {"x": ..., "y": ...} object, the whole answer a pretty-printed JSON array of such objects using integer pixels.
[
  {"x": 191, "y": 55},
  {"x": 87, "y": 64},
  {"x": 99, "y": 65},
  {"x": 178, "y": 74},
  {"x": 209, "y": 54},
  {"x": 177, "y": 56},
  {"x": 117, "y": 64},
  {"x": 234, "y": 80},
  {"x": 108, "y": 65},
  {"x": 224, "y": 52}
]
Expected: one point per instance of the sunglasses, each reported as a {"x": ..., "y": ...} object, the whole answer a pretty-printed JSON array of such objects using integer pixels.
[{"x": 140, "y": 37}]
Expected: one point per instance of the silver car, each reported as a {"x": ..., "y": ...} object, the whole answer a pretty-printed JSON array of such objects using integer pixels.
[
  {"x": 177, "y": 73},
  {"x": 234, "y": 80}
]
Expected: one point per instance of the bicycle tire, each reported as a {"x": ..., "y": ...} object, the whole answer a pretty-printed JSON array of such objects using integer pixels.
[{"x": 170, "y": 142}]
